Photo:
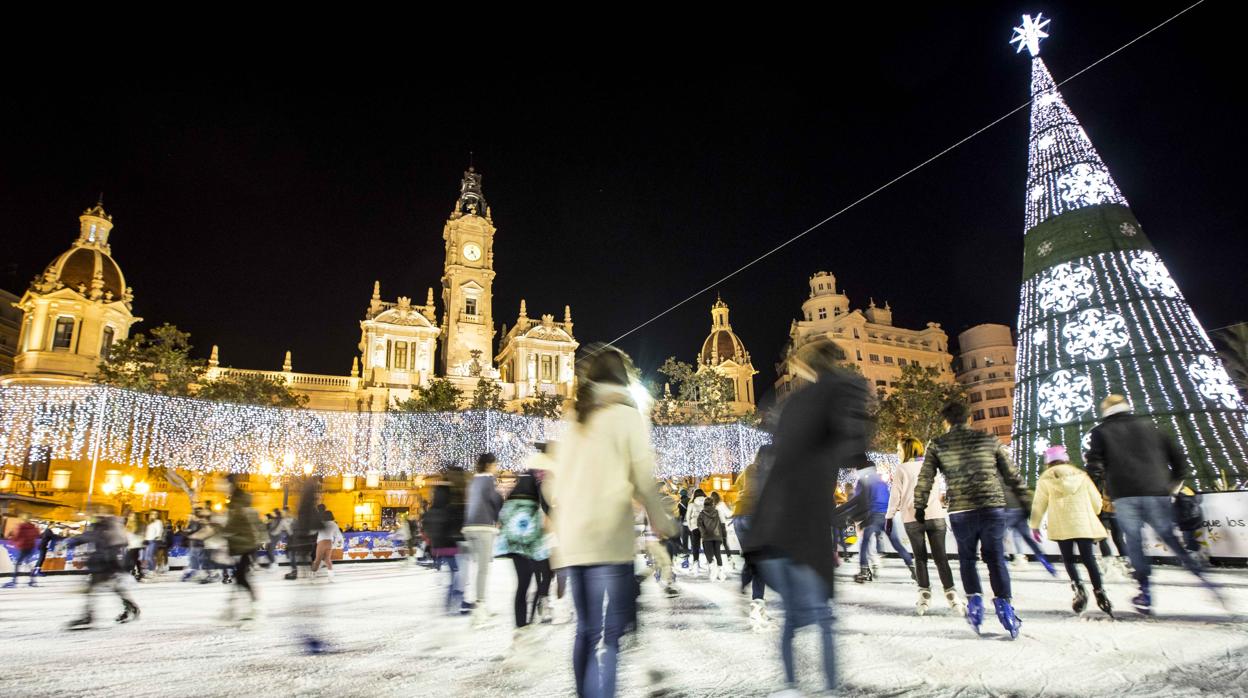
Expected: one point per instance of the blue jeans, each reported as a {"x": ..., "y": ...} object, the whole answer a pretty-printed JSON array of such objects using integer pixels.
[
  {"x": 982, "y": 529},
  {"x": 1016, "y": 523},
  {"x": 1158, "y": 513},
  {"x": 805, "y": 597},
  {"x": 872, "y": 529},
  {"x": 454, "y": 590},
  {"x": 749, "y": 573},
  {"x": 593, "y": 588}
]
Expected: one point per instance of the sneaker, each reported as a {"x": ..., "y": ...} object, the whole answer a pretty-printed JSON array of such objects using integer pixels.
[
  {"x": 1102, "y": 602},
  {"x": 975, "y": 611},
  {"x": 1005, "y": 613},
  {"x": 925, "y": 600},
  {"x": 1080, "y": 601}
]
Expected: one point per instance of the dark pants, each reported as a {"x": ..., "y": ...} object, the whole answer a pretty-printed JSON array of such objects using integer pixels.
[
  {"x": 43, "y": 555},
  {"x": 982, "y": 529},
  {"x": 453, "y": 592},
  {"x": 684, "y": 540},
  {"x": 695, "y": 544},
  {"x": 749, "y": 573},
  {"x": 934, "y": 532},
  {"x": 525, "y": 569},
  {"x": 107, "y": 580},
  {"x": 1085, "y": 554},
  {"x": 712, "y": 550},
  {"x": 1110, "y": 522},
  {"x": 242, "y": 574},
  {"x": 543, "y": 573},
  {"x": 605, "y": 598}
]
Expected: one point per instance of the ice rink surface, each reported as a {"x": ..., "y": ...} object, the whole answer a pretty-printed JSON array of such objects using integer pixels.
[{"x": 389, "y": 638}]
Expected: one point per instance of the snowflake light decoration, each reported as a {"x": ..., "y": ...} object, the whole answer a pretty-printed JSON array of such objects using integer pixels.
[
  {"x": 1152, "y": 274},
  {"x": 1047, "y": 142},
  {"x": 1094, "y": 334},
  {"x": 1085, "y": 185},
  {"x": 1086, "y": 441},
  {"x": 1041, "y": 444},
  {"x": 1128, "y": 230},
  {"x": 1064, "y": 286},
  {"x": 1214, "y": 382},
  {"x": 1039, "y": 336},
  {"x": 1064, "y": 396},
  {"x": 1037, "y": 193},
  {"x": 1045, "y": 248}
]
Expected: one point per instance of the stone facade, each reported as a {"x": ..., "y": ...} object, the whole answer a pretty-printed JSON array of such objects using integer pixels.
[
  {"x": 723, "y": 351},
  {"x": 985, "y": 366},
  {"x": 866, "y": 339}
]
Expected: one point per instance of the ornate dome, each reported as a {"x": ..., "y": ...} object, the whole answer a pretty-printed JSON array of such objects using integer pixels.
[
  {"x": 87, "y": 267},
  {"x": 722, "y": 344}
]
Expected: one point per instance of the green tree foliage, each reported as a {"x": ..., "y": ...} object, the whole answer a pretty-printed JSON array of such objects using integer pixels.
[
  {"x": 704, "y": 395},
  {"x": 913, "y": 407},
  {"x": 252, "y": 389},
  {"x": 156, "y": 362},
  {"x": 439, "y": 395},
  {"x": 488, "y": 395},
  {"x": 543, "y": 405}
]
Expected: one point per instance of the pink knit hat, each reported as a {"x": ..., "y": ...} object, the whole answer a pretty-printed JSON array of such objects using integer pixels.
[{"x": 1054, "y": 454}]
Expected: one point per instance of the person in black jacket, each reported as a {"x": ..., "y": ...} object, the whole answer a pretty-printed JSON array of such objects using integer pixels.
[
  {"x": 442, "y": 524},
  {"x": 1139, "y": 467},
  {"x": 107, "y": 538},
  {"x": 822, "y": 429}
]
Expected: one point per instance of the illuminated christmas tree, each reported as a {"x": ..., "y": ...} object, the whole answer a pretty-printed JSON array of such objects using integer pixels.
[{"x": 1099, "y": 312}]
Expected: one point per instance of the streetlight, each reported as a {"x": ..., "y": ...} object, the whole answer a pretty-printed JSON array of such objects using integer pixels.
[{"x": 125, "y": 491}]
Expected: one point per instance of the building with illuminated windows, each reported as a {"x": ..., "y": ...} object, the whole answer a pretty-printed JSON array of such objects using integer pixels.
[
  {"x": 985, "y": 367},
  {"x": 867, "y": 339}
]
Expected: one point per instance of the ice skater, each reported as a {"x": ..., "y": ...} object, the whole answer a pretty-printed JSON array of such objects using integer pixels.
[
  {"x": 108, "y": 541},
  {"x": 1066, "y": 494},
  {"x": 977, "y": 469},
  {"x": 243, "y": 532},
  {"x": 25, "y": 540},
  {"x": 931, "y": 531},
  {"x": 871, "y": 497},
  {"x": 1142, "y": 467}
]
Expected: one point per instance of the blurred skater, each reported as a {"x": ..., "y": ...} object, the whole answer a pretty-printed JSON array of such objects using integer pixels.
[
  {"x": 821, "y": 429},
  {"x": 108, "y": 541},
  {"x": 25, "y": 540},
  {"x": 481, "y": 527},
  {"x": 930, "y": 531},
  {"x": 243, "y": 532},
  {"x": 327, "y": 538}
]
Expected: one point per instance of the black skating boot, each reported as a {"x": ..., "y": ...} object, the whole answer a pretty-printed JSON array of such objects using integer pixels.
[
  {"x": 1102, "y": 602},
  {"x": 131, "y": 612},
  {"x": 82, "y": 623},
  {"x": 1080, "y": 601},
  {"x": 864, "y": 576}
]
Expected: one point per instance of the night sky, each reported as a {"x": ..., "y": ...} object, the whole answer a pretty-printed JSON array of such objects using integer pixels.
[{"x": 257, "y": 197}]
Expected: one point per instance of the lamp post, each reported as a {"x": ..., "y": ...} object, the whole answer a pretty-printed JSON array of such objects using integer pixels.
[{"x": 125, "y": 491}]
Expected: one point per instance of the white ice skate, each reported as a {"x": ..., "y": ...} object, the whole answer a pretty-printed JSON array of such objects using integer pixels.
[
  {"x": 925, "y": 600},
  {"x": 759, "y": 620},
  {"x": 951, "y": 595}
]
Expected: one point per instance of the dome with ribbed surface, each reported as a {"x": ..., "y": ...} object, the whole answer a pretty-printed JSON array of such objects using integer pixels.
[
  {"x": 87, "y": 267},
  {"x": 722, "y": 344}
]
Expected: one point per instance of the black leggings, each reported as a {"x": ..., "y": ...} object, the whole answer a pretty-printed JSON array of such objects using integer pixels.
[
  {"x": 1111, "y": 524},
  {"x": 242, "y": 572},
  {"x": 525, "y": 569},
  {"x": 1085, "y": 553},
  {"x": 695, "y": 544},
  {"x": 933, "y": 530},
  {"x": 541, "y": 570},
  {"x": 712, "y": 548}
]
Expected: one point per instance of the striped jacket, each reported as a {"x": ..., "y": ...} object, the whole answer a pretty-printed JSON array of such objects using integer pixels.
[{"x": 976, "y": 467}]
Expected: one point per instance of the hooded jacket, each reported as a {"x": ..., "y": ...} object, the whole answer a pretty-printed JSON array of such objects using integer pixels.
[
  {"x": 601, "y": 467},
  {"x": 1131, "y": 457},
  {"x": 821, "y": 429},
  {"x": 693, "y": 511},
  {"x": 1067, "y": 494},
  {"x": 710, "y": 522}
]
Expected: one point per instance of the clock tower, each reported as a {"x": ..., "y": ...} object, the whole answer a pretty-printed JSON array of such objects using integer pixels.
[{"x": 467, "y": 284}]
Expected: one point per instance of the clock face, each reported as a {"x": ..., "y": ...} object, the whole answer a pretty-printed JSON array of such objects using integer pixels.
[{"x": 471, "y": 252}]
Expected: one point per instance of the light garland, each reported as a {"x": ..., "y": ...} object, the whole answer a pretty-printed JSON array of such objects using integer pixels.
[
  {"x": 1099, "y": 312},
  {"x": 144, "y": 430}
]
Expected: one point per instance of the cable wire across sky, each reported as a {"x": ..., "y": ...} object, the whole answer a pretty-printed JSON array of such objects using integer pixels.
[{"x": 891, "y": 182}]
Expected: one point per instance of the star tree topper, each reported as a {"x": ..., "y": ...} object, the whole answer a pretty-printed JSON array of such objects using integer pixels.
[{"x": 1029, "y": 35}]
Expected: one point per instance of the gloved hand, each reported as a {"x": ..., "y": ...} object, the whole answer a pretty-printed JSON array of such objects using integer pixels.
[
  {"x": 888, "y": 527},
  {"x": 918, "y": 516},
  {"x": 1035, "y": 535}
]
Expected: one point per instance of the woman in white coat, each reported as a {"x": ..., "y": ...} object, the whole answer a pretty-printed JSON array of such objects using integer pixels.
[{"x": 692, "y": 513}]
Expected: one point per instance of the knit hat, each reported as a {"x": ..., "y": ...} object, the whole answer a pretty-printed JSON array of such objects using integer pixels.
[
  {"x": 1114, "y": 404},
  {"x": 1055, "y": 454}
]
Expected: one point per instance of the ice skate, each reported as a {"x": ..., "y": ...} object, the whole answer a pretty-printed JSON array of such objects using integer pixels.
[
  {"x": 925, "y": 600},
  {"x": 1080, "y": 600},
  {"x": 951, "y": 595},
  {"x": 1143, "y": 601},
  {"x": 975, "y": 611},
  {"x": 1019, "y": 561},
  {"x": 758, "y": 616},
  {"x": 543, "y": 611},
  {"x": 670, "y": 591},
  {"x": 130, "y": 613},
  {"x": 913, "y": 576},
  {"x": 875, "y": 570},
  {"x": 1005, "y": 613},
  {"x": 313, "y": 645},
  {"x": 329, "y": 575},
  {"x": 10, "y": 584},
  {"x": 83, "y": 623},
  {"x": 1102, "y": 602},
  {"x": 864, "y": 576}
]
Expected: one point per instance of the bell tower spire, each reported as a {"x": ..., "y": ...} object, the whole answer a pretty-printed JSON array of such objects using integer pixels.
[{"x": 467, "y": 283}]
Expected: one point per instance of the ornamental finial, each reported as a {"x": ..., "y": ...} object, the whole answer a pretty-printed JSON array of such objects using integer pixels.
[{"x": 1029, "y": 35}]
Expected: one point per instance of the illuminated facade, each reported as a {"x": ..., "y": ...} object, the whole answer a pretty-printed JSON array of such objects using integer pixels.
[
  {"x": 10, "y": 329},
  {"x": 985, "y": 367},
  {"x": 866, "y": 339}
]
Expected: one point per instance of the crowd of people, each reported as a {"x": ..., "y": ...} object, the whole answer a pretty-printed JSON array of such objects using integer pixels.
[{"x": 585, "y": 524}]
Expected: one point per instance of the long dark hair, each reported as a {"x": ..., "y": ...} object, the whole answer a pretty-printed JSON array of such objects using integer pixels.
[{"x": 606, "y": 365}]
